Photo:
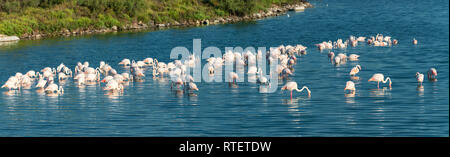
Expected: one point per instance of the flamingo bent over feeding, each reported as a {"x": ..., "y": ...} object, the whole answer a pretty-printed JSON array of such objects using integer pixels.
[
  {"x": 432, "y": 73},
  {"x": 350, "y": 85},
  {"x": 293, "y": 86},
  {"x": 380, "y": 78}
]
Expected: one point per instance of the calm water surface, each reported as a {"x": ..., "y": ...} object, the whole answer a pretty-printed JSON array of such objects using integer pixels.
[{"x": 150, "y": 108}]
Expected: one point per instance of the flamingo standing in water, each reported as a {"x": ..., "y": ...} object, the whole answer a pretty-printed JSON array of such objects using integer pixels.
[
  {"x": 419, "y": 77},
  {"x": 350, "y": 85},
  {"x": 355, "y": 70},
  {"x": 293, "y": 86},
  {"x": 12, "y": 83},
  {"x": 232, "y": 78},
  {"x": 380, "y": 78},
  {"x": 432, "y": 73}
]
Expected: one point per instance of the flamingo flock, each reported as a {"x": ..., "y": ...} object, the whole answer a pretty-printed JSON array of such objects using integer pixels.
[
  {"x": 378, "y": 40},
  {"x": 177, "y": 70}
]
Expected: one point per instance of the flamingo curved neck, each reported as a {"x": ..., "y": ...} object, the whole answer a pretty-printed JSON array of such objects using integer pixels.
[
  {"x": 387, "y": 78},
  {"x": 300, "y": 90}
]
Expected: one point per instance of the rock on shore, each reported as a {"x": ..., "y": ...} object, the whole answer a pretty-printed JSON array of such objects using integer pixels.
[{"x": 5, "y": 38}]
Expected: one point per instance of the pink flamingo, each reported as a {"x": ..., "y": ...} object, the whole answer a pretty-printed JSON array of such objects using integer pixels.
[
  {"x": 355, "y": 70},
  {"x": 380, "y": 78},
  {"x": 232, "y": 78},
  {"x": 350, "y": 85},
  {"x": 293, "y": 86},
  {"x": 419, "y": 77},
  {"x": 432, "y": 73}
]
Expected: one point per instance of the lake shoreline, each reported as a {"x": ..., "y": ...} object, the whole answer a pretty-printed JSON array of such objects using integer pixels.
[{"x": 275, "y": 10}]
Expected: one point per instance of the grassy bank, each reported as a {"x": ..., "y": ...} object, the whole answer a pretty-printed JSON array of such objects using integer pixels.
[{"x": 22, "y": 17}]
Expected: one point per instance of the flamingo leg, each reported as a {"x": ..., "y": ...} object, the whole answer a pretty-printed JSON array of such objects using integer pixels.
[
  {"x": 291, "y": 94},
  {"x": 378, "y": 85}
]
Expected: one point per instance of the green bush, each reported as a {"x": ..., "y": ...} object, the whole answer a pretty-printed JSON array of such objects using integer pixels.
[{"x": 18, "y": 17}]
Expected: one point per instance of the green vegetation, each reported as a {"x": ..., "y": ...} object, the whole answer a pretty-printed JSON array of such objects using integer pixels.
[{"x": 18, "y": 17}]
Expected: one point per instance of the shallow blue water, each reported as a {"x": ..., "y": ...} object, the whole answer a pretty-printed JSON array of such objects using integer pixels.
[{"x": 150, "y": 108}]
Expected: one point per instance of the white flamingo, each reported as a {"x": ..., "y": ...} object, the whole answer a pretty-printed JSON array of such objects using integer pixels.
[
  {"x": 350, "y": 85},
  {"x": 419, "y": 78},
  {"x": 293, "y": 86},
  {"x": 432, "y": 74},
  {"x": 355, "y": 70},
  {"x": 380, "y": 78}
]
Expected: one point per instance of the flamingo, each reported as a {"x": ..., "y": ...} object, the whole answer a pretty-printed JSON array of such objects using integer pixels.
[
  {"x": 414, "y": 41},
  {"x": 232, "y": 77},
  {"x": 141, "y": 64},
  {"x": 41, "y": 83},
  {"x": 355, "y": 70},
  {"x": 350, "y": 85},
  {"x": 343, "y": 56},
  {"x": 125, "y": 62},
  {"x": 62, "y": 76},
  {"x": 337, "y": 60},
  {"x": 361, "y": 39},
  {"x": 178, "y": 82},
  {"x": 353, "y": 57},
  {"x": 148, "y": 61},
  {"x": 113, "y": 85},
  {"x": 107, "y": 79},
  {"x": 262, "y": 80},
  {"x": 331, "y": 55},
  {"x": 293, "y": 86},
  {"x": 86, "y": 64},
  {"x": 192, "y": 86},
  {"x": 432, "y": 73},
  {"x": 285, "y": 73},
  {"x": 380, "y": 78},
  {"x": 25, "y": 81},
  {"x": 419, "y": 77},
  {"x": 52, "y": 88},
  {"x": 31, "y": 74},
  {"x": 11, "y": 84}
]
